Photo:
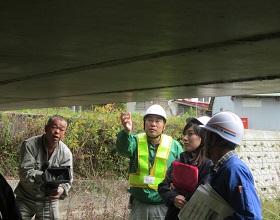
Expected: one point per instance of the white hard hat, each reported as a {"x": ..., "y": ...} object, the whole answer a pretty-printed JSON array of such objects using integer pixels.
[
  {"x": 201, "y": 120},
  {"x": 156, "y": 110},
  {"x": 228, "y": 125}
]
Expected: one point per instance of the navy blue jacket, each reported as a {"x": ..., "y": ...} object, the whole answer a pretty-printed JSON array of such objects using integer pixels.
[{"x": 235, "y": 183}]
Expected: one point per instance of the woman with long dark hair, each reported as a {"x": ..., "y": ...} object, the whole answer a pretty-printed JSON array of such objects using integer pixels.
[{"x": 193, "y": 141}]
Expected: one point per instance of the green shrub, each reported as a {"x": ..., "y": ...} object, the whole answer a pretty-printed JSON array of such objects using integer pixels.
[
  {"x": 13, "y": 129},
  {"x": 91, "y": 136}
]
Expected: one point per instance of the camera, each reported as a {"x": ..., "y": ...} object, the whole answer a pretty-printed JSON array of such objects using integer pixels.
[{"x": 54, "y": 176}]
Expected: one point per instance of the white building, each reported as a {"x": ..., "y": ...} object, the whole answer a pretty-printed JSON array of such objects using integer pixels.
[
  {"x": 173, "y": 107},
  {"x": 259, "y": 112}
]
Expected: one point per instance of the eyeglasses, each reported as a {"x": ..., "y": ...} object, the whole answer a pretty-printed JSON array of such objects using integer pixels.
[{"x": 156, "y": 120}]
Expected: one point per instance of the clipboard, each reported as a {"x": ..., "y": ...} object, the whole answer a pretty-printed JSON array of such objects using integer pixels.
[{"x": 185, "y": 177}]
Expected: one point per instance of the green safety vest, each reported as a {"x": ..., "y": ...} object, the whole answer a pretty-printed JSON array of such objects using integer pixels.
[{"x": 159, "y": 167}]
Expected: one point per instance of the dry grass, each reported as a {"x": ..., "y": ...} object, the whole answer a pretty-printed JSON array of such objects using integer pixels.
[
  {"x": 106, "y": 199},
  {"x": 271, "y": 207},
  {"x": 96, "y": 199}
]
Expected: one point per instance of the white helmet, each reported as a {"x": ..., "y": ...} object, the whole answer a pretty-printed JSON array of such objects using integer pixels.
[
  {"x": 156, "y": 110},
  {"x": 228, "y": 125},
  {"x": 201, "y": 120}
]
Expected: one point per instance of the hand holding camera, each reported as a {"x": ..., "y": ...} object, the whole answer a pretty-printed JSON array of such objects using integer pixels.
[{"x": 53, "y": 177}]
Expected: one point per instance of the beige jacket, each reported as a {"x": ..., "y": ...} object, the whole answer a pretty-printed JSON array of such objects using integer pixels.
[{"x": 33, "y": 156}]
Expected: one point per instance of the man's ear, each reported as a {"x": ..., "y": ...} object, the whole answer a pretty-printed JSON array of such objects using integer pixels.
[{"x": 46, "y": 127}]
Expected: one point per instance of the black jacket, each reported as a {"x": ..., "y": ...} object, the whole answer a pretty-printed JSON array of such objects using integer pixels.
[
  {"x": 8, "y": 207},
  {"x": 168, "y": 195}
]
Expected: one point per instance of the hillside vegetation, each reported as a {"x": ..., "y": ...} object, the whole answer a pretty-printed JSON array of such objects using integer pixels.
[{"x": 91, "y": 136}]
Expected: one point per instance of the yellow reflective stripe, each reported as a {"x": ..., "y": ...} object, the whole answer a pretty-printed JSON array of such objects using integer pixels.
[
  {"x": 137, "y": 179},
  {"x": 159, "y": 167},
  {"x": 143, "y": 154}
]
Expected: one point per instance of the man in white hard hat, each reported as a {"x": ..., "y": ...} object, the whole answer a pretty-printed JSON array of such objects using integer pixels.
[
  {"x": 150, "y": 153},
  {"x": 230, "y": 176}
]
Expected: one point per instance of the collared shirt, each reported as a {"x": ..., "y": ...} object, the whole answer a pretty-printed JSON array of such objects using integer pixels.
[{"x": 216, "y": 167}]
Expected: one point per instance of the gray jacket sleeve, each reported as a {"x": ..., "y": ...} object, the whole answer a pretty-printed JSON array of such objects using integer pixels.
[{"x": 29, "y": 170}]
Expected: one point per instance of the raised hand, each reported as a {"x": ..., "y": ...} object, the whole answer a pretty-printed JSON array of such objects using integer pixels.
[{"x": 126, "y": 121}]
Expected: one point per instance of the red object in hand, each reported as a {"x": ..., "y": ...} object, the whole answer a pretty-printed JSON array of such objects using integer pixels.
[{"x": 185, "y": 177}]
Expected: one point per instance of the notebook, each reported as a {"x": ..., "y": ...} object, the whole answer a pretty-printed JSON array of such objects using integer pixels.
[{"x": 185, "y": 177}]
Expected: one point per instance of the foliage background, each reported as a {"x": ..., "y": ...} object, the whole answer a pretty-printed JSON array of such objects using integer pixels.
[{"x": 91, "y": 136}]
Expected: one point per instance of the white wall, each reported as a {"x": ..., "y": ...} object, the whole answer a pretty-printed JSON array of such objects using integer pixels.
[
  {"x": 260, "y": 150},
  {"x": 131, "y": 106}
]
